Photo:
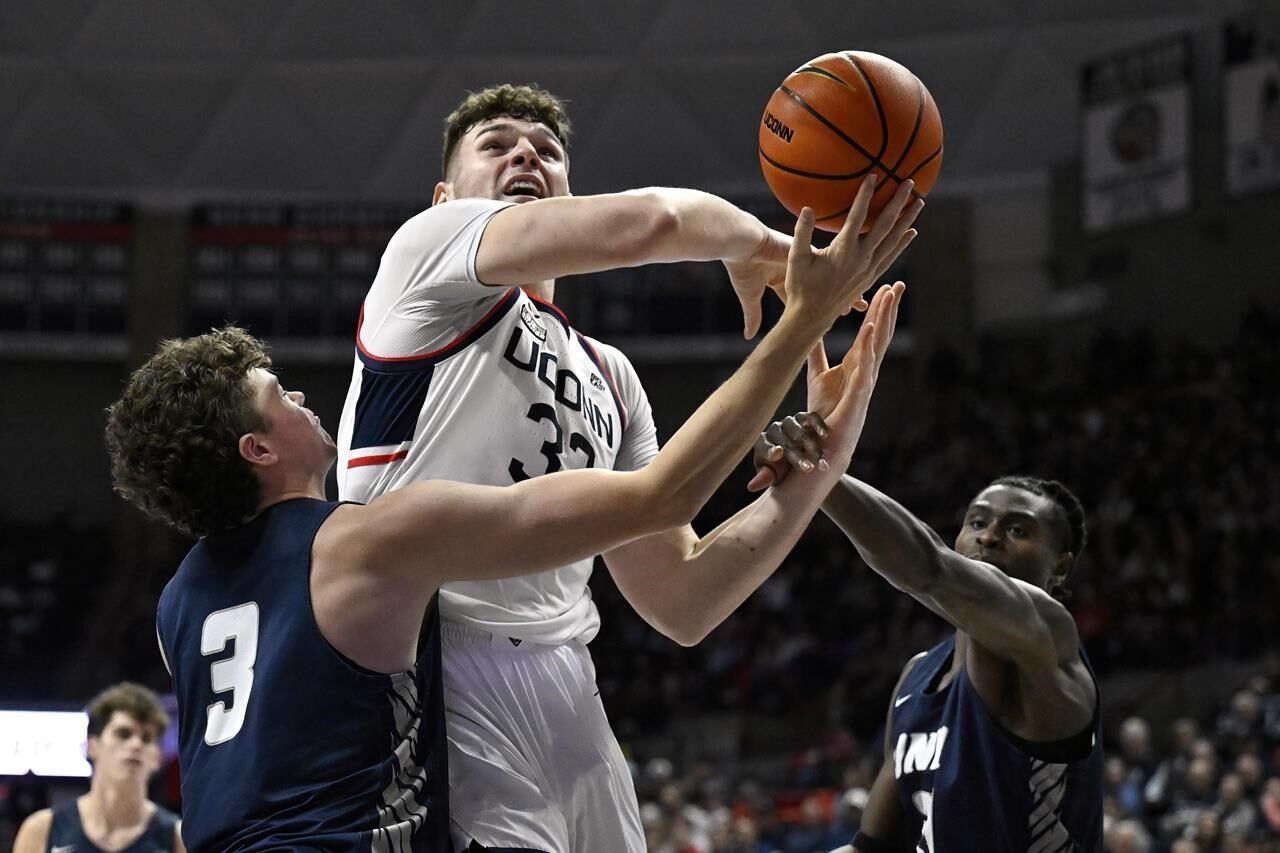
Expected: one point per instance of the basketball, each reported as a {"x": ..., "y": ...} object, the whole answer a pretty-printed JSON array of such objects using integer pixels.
[{"x": 840, "y": 117}]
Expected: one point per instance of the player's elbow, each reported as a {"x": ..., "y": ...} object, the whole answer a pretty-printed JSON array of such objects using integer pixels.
[
  {"x": 681, "y": 505},
  {"x": 666, "y": 496},
  {"x": 689, "y": 635},
  {"x": 671, "y": 511},
  {"x": 681, "y": 625}
]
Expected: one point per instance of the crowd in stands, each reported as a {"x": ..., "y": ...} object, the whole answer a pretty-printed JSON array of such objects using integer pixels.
[{"x": 49, "y": 574}]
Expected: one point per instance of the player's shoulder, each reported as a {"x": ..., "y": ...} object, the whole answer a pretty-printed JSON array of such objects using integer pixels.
[
  {"x": 912, "y": 662},
  {"x": 614, "y": 359},
  {"x": 441, "y": 221},
  {"x": 33, "y": 835},
  {"x": 908, "y": 668}
]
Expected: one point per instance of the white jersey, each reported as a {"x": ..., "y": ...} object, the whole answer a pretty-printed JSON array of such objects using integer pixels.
[{"x": 456, "y": 380}]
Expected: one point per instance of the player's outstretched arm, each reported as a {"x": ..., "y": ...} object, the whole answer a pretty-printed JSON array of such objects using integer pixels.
[
  {"x": 1013, "y": 624},
  {"x": 430, "y": 533},
  {"x": 569, "y": 235},
  {"x": 1014, "y": 620},
  {"x": 555, "y": 237},
  {"x": 685, "y": 586}
]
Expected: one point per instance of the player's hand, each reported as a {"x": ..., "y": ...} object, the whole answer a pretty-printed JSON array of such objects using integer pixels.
[
  {"x": 838, "y": 400},
  {"x": 831, "y": 281},
  {"x": 793, "y": 442},
  {"x": 765, "y": 269}
]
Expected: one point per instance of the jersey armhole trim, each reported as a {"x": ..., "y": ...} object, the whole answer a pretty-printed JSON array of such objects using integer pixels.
[
  {"x": 1068, "y": 750},
  {"x": 608, "y": 377},
  {"x": 315, "y": 623},
  {"x": 413, "y": 362}
]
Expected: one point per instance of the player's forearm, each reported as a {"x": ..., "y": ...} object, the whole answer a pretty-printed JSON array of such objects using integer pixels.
[
  {"x": 573, "y": 235},
  {"x": 892, "y": 541},
  {"x": 705, "y": 228},
  {"x": 706, "y": 449},
  {"x": 693, "y": 594}
]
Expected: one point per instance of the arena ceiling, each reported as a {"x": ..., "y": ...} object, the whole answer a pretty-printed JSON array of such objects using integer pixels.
[{"x": 169, "y": 101}]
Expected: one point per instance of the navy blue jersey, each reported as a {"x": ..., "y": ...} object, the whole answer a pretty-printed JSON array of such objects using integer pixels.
[
  {"x": 285, "y": 744},
  {"x": 968, "y": 784},
  {"x": 66, "y": 833}
]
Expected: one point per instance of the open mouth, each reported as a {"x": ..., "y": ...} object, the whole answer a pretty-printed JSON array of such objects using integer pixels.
[{"x": 523, "y": 188}]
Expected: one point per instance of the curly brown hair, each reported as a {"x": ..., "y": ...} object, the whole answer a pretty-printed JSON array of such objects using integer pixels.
[
  {"x": 524, "y": 102},
  {"x": 174, "y": 434},
  {"x": 133, "y": 699}
]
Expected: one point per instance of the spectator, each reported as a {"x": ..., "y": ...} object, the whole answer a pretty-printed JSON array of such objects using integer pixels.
[
  {"x": 1127, "y": 836},
  {"x": 1236, "y": 814},
  {"x": 1194, "y": 799}
]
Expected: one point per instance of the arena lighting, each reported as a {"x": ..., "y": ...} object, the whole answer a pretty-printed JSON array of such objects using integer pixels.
[{"x": 46, "y": 743}]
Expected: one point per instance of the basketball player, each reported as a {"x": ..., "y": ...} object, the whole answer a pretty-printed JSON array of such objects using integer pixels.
[
  {"x": 308, "y": 682},
  {"x": 125, "y": 724},
  {"x": 465, "y": 371},
  {"x": 993, "y": 740}
]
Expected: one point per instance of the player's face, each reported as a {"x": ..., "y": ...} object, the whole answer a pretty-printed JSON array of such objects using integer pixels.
[
  {"x": 126, "y": 750},
  {"x": 295, "y": 429},
  {"x": 1014, "y": 530},
  {"x": 507, "y": 159}
]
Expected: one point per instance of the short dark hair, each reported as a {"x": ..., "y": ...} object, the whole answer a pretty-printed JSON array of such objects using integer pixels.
[
  {"x": 1072, "y": 516},
  {"x": 133, "y": 699},
  {"x": 517, "y": 101},
  {"x": 173, "y": 436}
]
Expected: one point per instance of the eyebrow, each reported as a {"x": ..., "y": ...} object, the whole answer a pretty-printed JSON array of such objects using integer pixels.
[
  {"x": 538, "y": 129},
  {"x": 1015, "y": 513}
]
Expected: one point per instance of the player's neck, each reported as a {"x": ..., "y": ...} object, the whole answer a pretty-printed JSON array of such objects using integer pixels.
[
  {"x": 544, "y": 290},
  {"x": 110, "y": 806},
  {"x": 288, "y": 485},
  {"x": 959, "y": 656},
  {"x": 287, "y": 494}
]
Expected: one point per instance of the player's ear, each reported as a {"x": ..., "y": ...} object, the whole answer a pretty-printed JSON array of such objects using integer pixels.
[
  {"x": 443, "y": 192},
  {"x": 91, "y": 748},
  {"x": 1061, "y": 571},
  {"x": 254, "y": 450}
]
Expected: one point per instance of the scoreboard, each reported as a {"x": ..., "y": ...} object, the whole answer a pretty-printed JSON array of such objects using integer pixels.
[
  {"x": 286, "y": 271},
  {"x": 65, "y": 268}
]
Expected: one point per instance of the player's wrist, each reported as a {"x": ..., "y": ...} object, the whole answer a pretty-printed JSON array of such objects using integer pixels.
[
  {"x": 753, "y": 242},
  {"x": 801, "y": 325}
]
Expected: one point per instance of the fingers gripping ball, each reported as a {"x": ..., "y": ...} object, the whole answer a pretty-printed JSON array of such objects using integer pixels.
[{"x": 838, "y": 118}]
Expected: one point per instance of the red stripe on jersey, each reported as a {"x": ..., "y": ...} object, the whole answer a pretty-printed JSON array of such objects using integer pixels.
[
  {"x": 361, "y": 461},
  {"x": 554, "y": 309},
  {"x": 608, "y": 377}
]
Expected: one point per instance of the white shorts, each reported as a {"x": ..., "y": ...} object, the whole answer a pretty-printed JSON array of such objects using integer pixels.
[{"x": 533, "y": 763}]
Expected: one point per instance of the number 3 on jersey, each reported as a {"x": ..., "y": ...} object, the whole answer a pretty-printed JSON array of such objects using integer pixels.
[
  {"x": 923, "y": 801},
  {"x": 233, "y": 674}
]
